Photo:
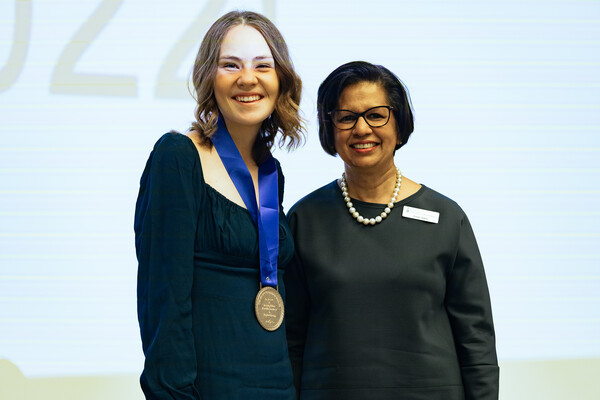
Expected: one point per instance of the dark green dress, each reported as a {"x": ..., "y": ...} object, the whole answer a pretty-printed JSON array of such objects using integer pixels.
[
  {"x": 197, "y": 279},
  {"x": 399, "y": 310}
]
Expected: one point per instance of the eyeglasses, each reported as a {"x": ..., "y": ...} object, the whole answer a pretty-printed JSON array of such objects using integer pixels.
[{"x": 375, "y": 117}]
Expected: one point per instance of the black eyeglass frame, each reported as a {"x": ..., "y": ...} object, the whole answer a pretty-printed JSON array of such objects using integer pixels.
[{"x": 358, "y": 115}]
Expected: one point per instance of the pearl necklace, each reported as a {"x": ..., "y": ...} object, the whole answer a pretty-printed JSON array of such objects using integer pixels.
[{"x": 371, "y": 221}]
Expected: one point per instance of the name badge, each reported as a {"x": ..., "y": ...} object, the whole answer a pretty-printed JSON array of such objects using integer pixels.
[{"x": 420, "y": 214}]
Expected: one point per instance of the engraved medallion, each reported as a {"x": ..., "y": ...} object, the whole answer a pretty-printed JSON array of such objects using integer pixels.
[{"x": 268, "y": 307}]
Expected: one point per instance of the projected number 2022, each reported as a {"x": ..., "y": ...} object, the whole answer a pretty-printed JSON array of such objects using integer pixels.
[{"x": 64, "y": 78}]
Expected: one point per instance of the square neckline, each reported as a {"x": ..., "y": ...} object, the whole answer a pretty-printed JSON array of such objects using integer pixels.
[{"x": 212, "y": 189}]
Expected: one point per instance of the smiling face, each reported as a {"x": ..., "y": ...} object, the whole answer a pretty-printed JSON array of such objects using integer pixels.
[
  {"x": 363, "y": 147},
  {"x": 246, "y": 84}
]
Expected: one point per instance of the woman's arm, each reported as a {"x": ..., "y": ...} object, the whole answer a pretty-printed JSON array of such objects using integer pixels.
[
  {"x": 297, "y": 310},
  {"x": 165, "y": 227},
  {"x": 469, "y": 309}
]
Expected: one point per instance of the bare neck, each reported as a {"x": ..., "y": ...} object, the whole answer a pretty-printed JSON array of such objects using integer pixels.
[{"x": 371, "y": 186}]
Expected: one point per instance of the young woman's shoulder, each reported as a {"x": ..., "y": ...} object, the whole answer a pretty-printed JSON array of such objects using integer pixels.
[{"x": 174, "y": 149}]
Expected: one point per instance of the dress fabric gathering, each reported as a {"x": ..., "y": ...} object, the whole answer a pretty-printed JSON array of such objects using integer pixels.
[
  {"x": 197, "y": 279},
  {"x": 398, "y": 310}
]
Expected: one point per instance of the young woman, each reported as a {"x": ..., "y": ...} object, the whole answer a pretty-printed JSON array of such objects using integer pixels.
[{"x": 212, "y": 241}]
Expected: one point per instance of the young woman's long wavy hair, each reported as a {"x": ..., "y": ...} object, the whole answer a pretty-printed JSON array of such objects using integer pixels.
[{"x": 285, "y": 117}]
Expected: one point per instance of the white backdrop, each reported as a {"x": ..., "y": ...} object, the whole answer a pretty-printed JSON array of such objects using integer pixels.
[{"x": 506, "y": 97}]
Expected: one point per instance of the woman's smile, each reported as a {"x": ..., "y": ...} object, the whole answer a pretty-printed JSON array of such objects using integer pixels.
[
  {"x": 248, "y": 98},
  {"x": 362, "y": 147}
]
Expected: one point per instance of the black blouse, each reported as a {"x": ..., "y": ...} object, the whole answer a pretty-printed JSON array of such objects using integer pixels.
[{"x": 398, "y": 310}]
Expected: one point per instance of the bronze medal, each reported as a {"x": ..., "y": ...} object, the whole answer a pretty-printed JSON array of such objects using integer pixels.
[{"x": 269, "y": 309}]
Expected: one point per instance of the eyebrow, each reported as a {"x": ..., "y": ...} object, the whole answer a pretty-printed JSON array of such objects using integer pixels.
[{"x": 259, "y": 58}]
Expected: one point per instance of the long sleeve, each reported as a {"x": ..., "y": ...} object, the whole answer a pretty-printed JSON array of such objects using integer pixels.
[
  {"x": 297, "y": 307},
  {"x": 469, "y": 309},
  {"x": 165, "y": 228}
]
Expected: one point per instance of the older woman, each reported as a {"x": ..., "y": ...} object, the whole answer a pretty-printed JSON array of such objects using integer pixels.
[
  {"x": 387, "y": 297},
  {"x": 210, "y": 233}
]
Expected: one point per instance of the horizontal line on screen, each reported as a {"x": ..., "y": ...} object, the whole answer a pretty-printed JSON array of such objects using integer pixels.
[
  {"x": 527, "y": 127},
  {"x": 540, "y": 235},
  {"x": 518, "y": 42},
  {"x": 62, "y": 214},
  {"x": 562, "y": 106},
  {"x": 505, "y": 192},
  {"x": 87, "y": 256},
  {"x": 480, "y": 171},
  {"x": 69, "y": 192},
  {"x": 537, "y": 149},
  {"x": 51, "y": 299},
  {"x": 77, "y": 321},
  {"x": 65, "y": 277},
  {"x": 542, "y": 277},
  {"x": 131, "y": 83},
  {"x": 541, "y": 256},
  {"x": 484, "y": 84},
  {"x": 516, "y": 299},
  {"x": 516, "y": 213},
  {"x": 42, "y": 149},
  {"x": 383, "y": 19},
  {"x": 68, "y": 170},
  {"x": 85, "y": 342},
  {"x": 64, "y": 235},
  {"x": 554, "y": 320}
]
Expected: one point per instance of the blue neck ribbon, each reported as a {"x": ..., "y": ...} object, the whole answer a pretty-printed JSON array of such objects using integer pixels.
[{"x": 267, "y": 219}]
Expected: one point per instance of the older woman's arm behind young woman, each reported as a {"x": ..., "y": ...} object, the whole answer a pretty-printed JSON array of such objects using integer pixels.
[{"x": 298, "y": 305}]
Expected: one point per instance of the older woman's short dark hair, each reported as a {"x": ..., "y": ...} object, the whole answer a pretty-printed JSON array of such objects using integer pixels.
[{"x": 350, "y": 74}]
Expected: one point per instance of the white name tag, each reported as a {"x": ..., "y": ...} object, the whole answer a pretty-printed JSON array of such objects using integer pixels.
[{"x": 420, "y": 214}]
